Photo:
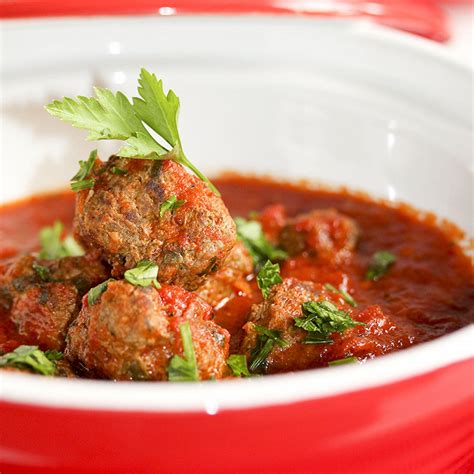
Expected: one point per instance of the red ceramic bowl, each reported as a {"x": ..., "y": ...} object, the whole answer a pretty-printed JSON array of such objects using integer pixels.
[{"x": 400, "y": 104}]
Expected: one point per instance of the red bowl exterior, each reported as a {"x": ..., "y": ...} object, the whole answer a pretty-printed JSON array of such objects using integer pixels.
[
  {"x": 420, "y": 17},
  {"x": 423, "y": 425}
]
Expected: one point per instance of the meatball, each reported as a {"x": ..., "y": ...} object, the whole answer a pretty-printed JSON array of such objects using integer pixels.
[
  {"x": 283, "y": 305},
  {"x": 42, "y": 313},
  {"x": 328, "y": 234},
  {"x": 231, "y": 279},
  {"x": 41, "y": 297},
  {"x": 131, "y": 333},
  {"x": 122, "y": 216}
]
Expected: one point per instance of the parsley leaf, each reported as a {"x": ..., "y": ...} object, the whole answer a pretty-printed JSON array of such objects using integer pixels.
[
  {"x": 81, "y": 185},
  {"x": 53, "y": 354},
  {"x": 118, "y": 171},
  {"x": 170, "y": 204},
  {"x": 347, "y": 360},
  {"x": 381, "y": 262},
  {"x": 43, "y": 272},
  {"x": 53, "y": 247},
  {"x": 30, "y": 357},
  {"x": 79, "y": 181},
  {"x": 268, "y": 276},
  {"x": 344, "y": 294},
  {"x": 251, "y": 234},
  {"x": 109, "y": 116},
  {"x": 184, "y": 369},
  {"x": 94, "y": 293},
  {"x": 238, "y": 364},
  {"x": 266, "y": 340},
  {"x": 321, "y": 319},
  {"x": 144, "y": 274}
]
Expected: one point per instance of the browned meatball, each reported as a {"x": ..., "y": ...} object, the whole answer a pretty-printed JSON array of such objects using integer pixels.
[
  {"x": 131, "y": 333},
  {"x": 328, "y": 234},
  {"x": 283, "y": 305},
  {"x": 41, "y": 297},
  {"x": 42, "y": 313},
  {"x": 121, "y": 216},
  {"x": 231, "y": 279}
]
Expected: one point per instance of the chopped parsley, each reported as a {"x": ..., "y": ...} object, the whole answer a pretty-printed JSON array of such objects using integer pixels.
[
  {"x": 347, "y": 360},
  {"x": 79, "y": 181},
  {"x": 238, "y": 364},
  {"x": 118, "y": 171},
  {"x": 95, "y": 293},
  {"x": 380, "y": 264},
  {"x": 250, "y": 232},
  {"x": 144, "y": 274},
  {"x": 52, "y": 246},
  {"x": 30, "y": 357},
  {"x": 268, "y": 276},
  {"x": 109, "y": 116},
  {"x": 184, "y": 369},
  {"x": 170, "y": 205},
  {"x": 344, "y": 294},
  {"x": 53, "y": 354},
  {"x": 266, "y": 340},
  {"x": 321, "y": 319},
  {"x": 43, "y": 272}
]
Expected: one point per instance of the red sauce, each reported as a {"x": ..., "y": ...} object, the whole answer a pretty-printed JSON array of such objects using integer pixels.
[{"x": 430, "y": 286}]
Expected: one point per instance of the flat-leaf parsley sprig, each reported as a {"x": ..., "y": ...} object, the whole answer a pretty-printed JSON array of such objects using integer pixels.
[
  {"x": 32, "y": 358},
  {"x": 268, "y": 276},
  {"x": 109, "y": 116},
  {"x": 184, "y": 369},
  {"x": 321, "y": 319},
  {"x": 250, "y": 232}
]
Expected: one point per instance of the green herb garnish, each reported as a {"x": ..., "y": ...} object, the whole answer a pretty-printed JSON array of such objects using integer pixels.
[
  {"x": 251, "y": 234},
  {"x": 381, "y": 262},
  {"x": 52, "y": 246},
  {"x": 144, "y": 274},
  {"x": 43, "y": 272},
  {"x": 94, "y": 293},
  {"x": 184, "y": 369},
  {"x": 344, "y": 294},
  {"x": 238, "y": 364},
  {"x": 170, "y": 205},
  {"x": 321, "y": 319},
  {"x": 266, "y": 340},
  {"x": 110, "y": 116},
  {"x": 30, "y": 357},
  {"x": 71, "y": 247},
  {"x": 79, "y": 181},
  {"x": 268, "y": 276},
  {"x": 81, "y": 185},
  {"x": 347, "y": 360},
  {"x": 118, "y": 171},
  {"x": 53, "y": 354}
]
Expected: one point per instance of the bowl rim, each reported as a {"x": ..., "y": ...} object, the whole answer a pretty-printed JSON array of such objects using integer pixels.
[{"x": 211, "y": 397}]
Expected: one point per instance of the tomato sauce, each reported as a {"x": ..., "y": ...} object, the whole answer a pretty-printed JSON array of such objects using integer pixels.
[{"x": 430, "y": 286}]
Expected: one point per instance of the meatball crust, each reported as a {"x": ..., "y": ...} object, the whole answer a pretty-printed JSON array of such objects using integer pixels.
[
  {"x": 41, "y": 297},
  {"x": 131, "y": 333},
  {"x": 231, "y": 279},
  {"x": 327, "y": 233},
  {"x": 42, "y": 313},
  {"x": 284, "y": 305},
  {"x": 121, "y": 216}
]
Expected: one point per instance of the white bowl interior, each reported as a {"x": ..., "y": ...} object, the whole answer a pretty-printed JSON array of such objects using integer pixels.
[{"x": 336, "y": 102}]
